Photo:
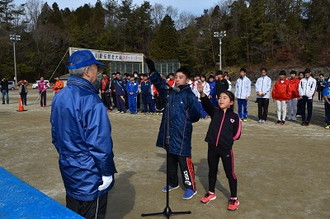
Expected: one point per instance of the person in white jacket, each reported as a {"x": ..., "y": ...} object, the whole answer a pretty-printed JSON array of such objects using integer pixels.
[
  {"x": 307, "y": 87},
  {"x": 226, "y": 76},
  {"x": 263, "y": 90},
  {"x": 242, "y": 93},
  {"x": 206, "y": 90}
]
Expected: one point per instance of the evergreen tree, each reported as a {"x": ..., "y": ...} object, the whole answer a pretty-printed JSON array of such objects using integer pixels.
[{"x": 164, "y": 45}]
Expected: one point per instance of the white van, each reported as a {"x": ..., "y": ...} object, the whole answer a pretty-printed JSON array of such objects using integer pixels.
[{"x": 35, "y": 85}]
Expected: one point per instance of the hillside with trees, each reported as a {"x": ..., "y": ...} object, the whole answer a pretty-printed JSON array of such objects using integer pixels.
[{"x": 275, "y": 34}]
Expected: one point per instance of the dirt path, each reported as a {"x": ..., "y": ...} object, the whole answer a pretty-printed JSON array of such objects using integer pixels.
[{"x": 283, "y": 171}]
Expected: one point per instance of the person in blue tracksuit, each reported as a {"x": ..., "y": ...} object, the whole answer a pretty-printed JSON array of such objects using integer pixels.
[
  {"x": 148, "y": 106},
  {"x": 132, "y": 89},
  {"x": 184, "y": 110},
  {"x": 81, "y": 134},
  {"x": 213, "y": 93},
  {"x": 326, "y": 98}
]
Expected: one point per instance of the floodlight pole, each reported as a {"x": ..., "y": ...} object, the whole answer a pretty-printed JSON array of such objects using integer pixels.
[
  {"x": 15, "y": 38},
  {"x": 220, "y": 35}
]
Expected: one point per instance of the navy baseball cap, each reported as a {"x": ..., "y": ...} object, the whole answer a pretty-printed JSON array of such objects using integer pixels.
[{"x": 82, "y": 58}]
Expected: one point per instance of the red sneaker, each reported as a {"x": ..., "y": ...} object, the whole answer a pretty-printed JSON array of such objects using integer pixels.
[
  {"x": 233, "y": 204},
  {"x": 208, "y": 197}
]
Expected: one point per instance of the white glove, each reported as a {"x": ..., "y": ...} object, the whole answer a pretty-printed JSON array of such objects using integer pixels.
[{"x": 107, "y": 180}]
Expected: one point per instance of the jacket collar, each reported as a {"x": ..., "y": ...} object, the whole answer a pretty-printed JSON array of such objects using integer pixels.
[
  {"x": 227, "y": 111},
  {"x": 184, "y": 86},
  {"x": 83, "y": 83}
]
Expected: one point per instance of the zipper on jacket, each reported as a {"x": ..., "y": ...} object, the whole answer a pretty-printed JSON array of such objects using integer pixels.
[
  {"x": 220, "y": 129},
  {"x": 242, "y": 88}
]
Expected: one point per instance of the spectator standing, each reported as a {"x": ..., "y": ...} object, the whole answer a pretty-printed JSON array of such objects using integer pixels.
[
  {"x": 105, "y": 91},
  {"x": 221, "y": 83},
  {"x": 4, "y": 90},
  {"x": 42, "y": 87},
  {"x": 326, "y": 98},
  {"x": 301, "y": 75},
  {"x": 263, "y": 90},
  {"x": 321, "y": 84},
  {"x": 120, "y": 90},
  {"x": 206, "y": 91},
  {"x": 113, "y": 89},
  {"x": 171, "y": 80},
  {"x": 307, "y": 88},
  {"x": 212, "y": 95},
  {"x": 226, "y": 76},
  {"x": 58, "y": 86},
  {"x": 146, "y": 95},
  {"x": 23, "y": 90},
  {"x": 137, "y": 80},
  {"x": 281, "y": 94},
  {"x": 293, "y": 101},
  {"x": 242, "y": 93},
  {"x": 132, "y": 88}
]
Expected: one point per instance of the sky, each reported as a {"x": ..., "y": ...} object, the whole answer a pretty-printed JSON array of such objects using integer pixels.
[{"x": 195, "y": 7}]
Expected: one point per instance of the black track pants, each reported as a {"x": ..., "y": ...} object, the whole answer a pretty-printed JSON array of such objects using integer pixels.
[
  {"x": 89, "y": 209},
  {"x": 187, "y": 171},
  {"x": 227, "y": 157}
]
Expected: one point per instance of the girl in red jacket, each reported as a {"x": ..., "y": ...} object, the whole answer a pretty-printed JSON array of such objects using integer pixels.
[
  {"x": 281, "y": 94},
  {"x": 225, "y": 127}
]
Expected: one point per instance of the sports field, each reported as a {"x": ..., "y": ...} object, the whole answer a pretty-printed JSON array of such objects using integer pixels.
[{"x": 283, "y": 171}]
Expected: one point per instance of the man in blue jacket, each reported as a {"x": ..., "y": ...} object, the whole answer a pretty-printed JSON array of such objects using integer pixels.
[
  {"x": 81, "y": 133},
  {"x": 184, "y": 110}
]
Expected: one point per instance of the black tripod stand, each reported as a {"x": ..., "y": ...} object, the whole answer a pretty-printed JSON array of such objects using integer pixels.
[{"x": 167, "y": 211}]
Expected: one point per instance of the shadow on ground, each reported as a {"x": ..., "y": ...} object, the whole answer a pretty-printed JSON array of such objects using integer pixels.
[{"x": 123, "y": 192}]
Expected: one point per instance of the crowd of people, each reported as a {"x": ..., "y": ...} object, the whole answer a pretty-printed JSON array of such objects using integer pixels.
[
  {"x": 22, "y": 85},
  {"x": 82, "y": 136},
  {"x": 292, "y": 93}
]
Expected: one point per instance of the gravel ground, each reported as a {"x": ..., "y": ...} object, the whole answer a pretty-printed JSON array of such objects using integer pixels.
[{"x": 283, "y": 171}]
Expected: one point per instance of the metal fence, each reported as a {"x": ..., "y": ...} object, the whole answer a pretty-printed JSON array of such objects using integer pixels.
[{"x": 163, "y": 66}]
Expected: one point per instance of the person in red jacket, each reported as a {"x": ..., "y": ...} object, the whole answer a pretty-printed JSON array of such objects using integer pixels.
[
  {"x": 105, "y": 91},
  {"x": 292, "y": 103},
  {"x": 281, "y": 94}
]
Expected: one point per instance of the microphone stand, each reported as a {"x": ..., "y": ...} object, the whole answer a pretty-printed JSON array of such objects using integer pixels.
[{"x": 167, "y": 211}]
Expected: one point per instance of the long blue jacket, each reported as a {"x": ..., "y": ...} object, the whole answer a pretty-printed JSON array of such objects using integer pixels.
[
  {"x": 183, "y": 111},
  {"x": 81, "y": 133}
]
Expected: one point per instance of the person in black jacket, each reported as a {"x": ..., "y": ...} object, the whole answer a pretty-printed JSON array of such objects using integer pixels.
[
  {"x": 4, "y": 90},
  {"x": 221, "y": 83},
  {"x": 224, "y": 128}
]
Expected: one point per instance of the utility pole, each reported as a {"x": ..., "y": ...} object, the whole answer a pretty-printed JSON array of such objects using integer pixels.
[
  {"x": 15, "y": 38},
  {"x": 220, "y": 35}
]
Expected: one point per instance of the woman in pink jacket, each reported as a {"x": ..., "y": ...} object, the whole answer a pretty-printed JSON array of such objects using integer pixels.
[{"x": 42, "y": 87}]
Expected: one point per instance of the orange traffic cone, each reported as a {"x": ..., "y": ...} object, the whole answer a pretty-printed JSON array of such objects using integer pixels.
[{"x": 20, "y": 105}]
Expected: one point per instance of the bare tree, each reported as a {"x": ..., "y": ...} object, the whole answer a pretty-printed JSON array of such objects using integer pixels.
[
  {"x": 185, "y": 18},
  {"x": 32, "y": 12},
  {"x": 158, "y": 13},
  {"x": 172, "y": 12}
]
